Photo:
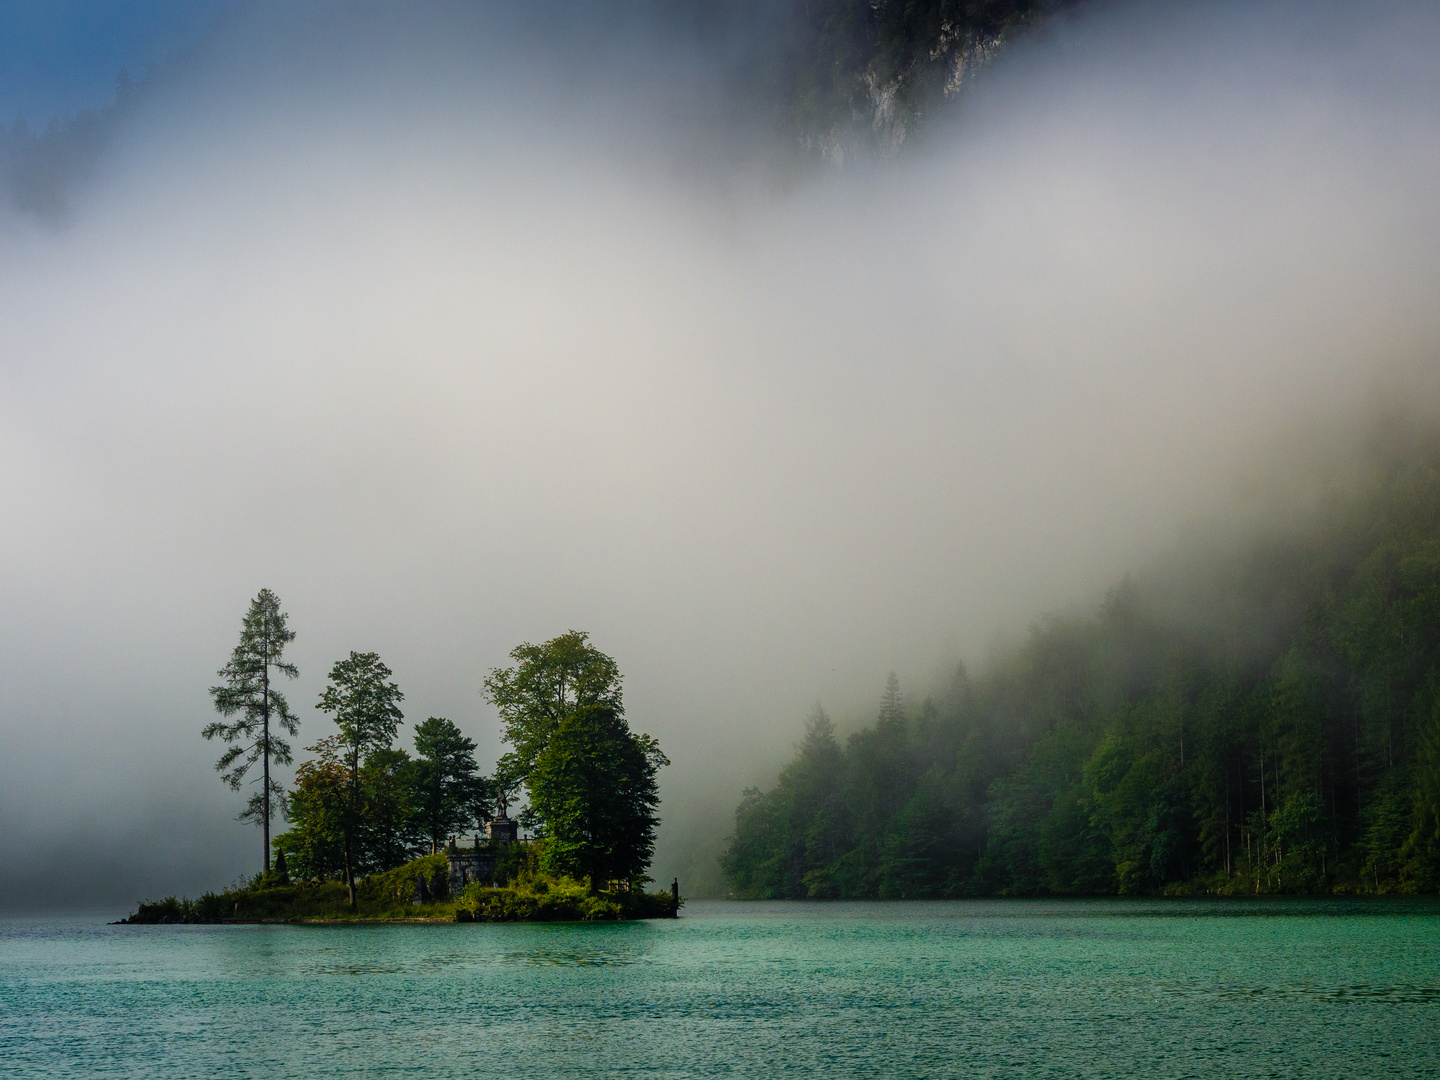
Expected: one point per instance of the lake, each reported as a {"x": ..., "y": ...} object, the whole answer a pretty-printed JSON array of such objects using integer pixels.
[{"x": 968, "y": 988}]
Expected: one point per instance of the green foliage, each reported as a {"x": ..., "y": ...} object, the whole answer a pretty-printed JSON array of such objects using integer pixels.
[
  {"x": 364, "y": 706},
  {"x": 1281, "y": 734},
  {"x": 211, "y": 907},
  {"x": 806, "y": 809},
  {"x": 337, "y": 810},
  {"x": 531, "y": 895},
  {"x": 387, "y": 835},
  {"x": 367, "y": 808},
  {"x": 247, "y": 694},
  {"x": 515, "y": 861},
  {"x": 547, "y": 684},
  {"x": 388, "y": 895},
  {"x": 594, "y": 787},
  {"x": 538, "y": 899},
  {"x": 383, "y": 812},
  {"x": 591, "y": 780},
  {"x": 400, "y": 884},
  {"x": 446, "y": 789},
  {"x": 318, "y": 813}
]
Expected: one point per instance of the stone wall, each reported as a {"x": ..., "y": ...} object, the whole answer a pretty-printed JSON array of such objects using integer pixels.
[{"x": 470, "y": 864}]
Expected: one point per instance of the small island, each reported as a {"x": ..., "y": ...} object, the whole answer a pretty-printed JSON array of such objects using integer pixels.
[
  {"x": 376, "y": 834},
  {"x": 489, "y": 879}
]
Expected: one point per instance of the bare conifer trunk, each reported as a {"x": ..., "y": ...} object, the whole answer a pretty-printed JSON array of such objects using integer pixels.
[
  {"x": 349, "y": 871},
  {"x": 350, "y": 825},
  {"x": 265, "y": 746},
  {"x": 1227, "y": 819}
]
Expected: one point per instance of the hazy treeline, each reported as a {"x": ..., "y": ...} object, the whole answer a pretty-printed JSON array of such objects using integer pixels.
[
  {"x": 38, "y": 166},
  {"x": 1269, "y": 724}
]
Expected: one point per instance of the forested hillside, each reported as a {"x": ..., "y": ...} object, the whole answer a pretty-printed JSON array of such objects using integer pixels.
[{"x": 1268, "y": 721}]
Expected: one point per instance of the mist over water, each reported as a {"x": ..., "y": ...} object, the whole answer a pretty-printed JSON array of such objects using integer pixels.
[{"x": 457, "y": 333}]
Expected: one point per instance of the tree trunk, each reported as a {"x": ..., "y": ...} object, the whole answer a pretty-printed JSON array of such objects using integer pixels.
[
  {"x": 1227, "y": 818},
  {"x": 354, "y": 815},
  {"x": 1357, "y": 765},
  {"x": 349, "y": 871},
  {"x": 265, "y": 749}
]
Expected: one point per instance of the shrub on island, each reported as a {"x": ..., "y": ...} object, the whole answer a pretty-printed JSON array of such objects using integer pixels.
[{"x": 542, "y": 898}]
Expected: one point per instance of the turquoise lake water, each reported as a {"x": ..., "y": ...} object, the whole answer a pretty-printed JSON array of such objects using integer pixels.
[{"x": 1014, "y": 988}]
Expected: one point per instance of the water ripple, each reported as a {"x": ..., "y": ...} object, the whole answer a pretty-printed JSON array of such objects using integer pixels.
[{"x": 1402, "y": 994}]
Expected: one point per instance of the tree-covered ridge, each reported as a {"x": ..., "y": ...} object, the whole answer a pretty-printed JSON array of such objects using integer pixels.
[{"x": 1269, "y": 725}]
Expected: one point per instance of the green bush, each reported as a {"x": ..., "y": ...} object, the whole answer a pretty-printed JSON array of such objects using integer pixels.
[{"x": 543, "y": 898}]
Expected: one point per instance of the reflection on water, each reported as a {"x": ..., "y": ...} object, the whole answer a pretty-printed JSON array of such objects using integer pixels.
[
  {"x": 1072, "y": 989},
  {"x": 571, "y": 957},
  {"x": 550, "y": 957},
  {"x": 1400, "y": 994}
]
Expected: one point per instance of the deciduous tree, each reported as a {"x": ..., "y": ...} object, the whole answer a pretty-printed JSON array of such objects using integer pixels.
[
  {"x": 547, "y": 684},
  {"x": 594, "y": 789},
  {"x": 365, "y": 706},
  {"x": 591, "y": 780}
]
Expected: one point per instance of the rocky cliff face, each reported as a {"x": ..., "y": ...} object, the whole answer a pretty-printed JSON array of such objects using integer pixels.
[
  {"x": 833, "y": 79},
  {"x": 865, "y": 73}
]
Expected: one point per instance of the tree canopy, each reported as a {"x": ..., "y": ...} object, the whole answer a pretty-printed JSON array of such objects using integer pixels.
[
  {"x": 448, "y": 791},
  {"x": 362, "y": 805},
  {"x": 547, "y": 684},
  {"x": 592, "y": 782},
  {"x": 365, "y": 706},
  {"x": 594, "y": 788}
]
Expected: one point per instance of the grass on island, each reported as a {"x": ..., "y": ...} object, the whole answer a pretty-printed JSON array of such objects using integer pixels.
[{"x": 526, "y": 895}]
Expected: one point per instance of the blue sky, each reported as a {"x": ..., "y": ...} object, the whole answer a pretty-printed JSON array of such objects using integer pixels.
[{"x": 64, "y": 55}]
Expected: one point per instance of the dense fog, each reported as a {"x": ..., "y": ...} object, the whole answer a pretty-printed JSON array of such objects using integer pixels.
[{"x": 458, "y": 332}]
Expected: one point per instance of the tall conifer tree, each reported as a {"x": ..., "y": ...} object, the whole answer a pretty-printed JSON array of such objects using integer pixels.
[
  {"x": 248, "y": 694},
  {"x": 448, "y": 789}
]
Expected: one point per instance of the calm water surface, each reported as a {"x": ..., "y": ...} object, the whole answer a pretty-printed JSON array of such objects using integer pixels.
[{"x": 1063, "y": 989}]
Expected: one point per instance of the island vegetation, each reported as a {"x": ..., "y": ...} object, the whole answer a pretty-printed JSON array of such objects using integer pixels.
[
  {"x": 374, "y": 831},
  {"x": 417, "y": 891},
  {"x": 1262, "y": 720}
]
